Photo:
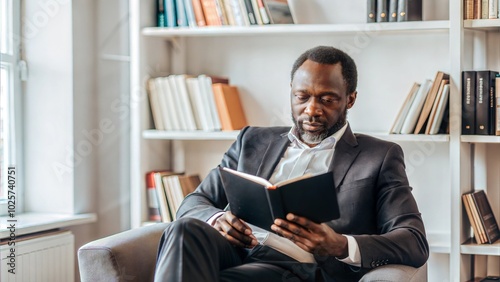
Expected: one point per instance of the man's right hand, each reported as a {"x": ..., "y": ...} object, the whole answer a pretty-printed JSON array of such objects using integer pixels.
[{"x": 235, "y": 230}]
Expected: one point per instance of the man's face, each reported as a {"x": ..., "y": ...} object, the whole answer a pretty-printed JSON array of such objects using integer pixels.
[{"x": 319, "y": 101}]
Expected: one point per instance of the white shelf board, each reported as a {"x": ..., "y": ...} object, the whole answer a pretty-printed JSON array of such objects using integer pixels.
[
  {"x": 27, "y": 223},
  {"x": 190, "y": 135},
  {"x": 489, "y": 24},
  {"x": 439, "y": 242},
  {"x": 480, "y": 139},
  {"x": 410, "y": 137},
  {"x": 482, "y": 249},
  {"x": 308, "y": 29}
]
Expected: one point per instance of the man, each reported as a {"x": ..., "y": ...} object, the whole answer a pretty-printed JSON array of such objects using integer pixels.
[{"x": 379, "y": 220}]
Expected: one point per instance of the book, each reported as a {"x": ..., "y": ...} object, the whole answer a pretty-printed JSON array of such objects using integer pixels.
[
  {"x": 371, "y": 9},
  {"x": 484, "y": 9},
  {"x": 229, "y": 107},
  {"x": 152, "y": 198},
  {"x": 441, "y": 110},
  {"x": 180, "y": 10},
  {"x": 382, "y": 10},
  {"x": 256, "y": 11},
  {"x": 429, "y": 101},
  {"x": 259, "y": 202},
  {"x": 198, "y": 13},
  {"x": 185, "y": 102},
  {"x": 477, "y": 9},
  {"x": 486, "y": 216},
  {"x": 485, "y": 110},
  {"x": 250, "y": 12},
  {"x": 393, "y": 10},
  {"x": 278, "y": 11},
  {"x": 191, "y": 18},
  {"x": 497, "y": 98},
  {"x": 170, "y": 13},
  {"x": 160, "y": 13},
  {"x": 416, "y": 108},
  {"x": 263, "y": 12},
  {"x": 468, "y": 9},
  {"x": 432, "y": 114},
  {"x": 208, "y": 94},
  {"x": 210, "y": 12},
  {"x": 467, "y": 203},
  {"x": 165, "y": 206},
  {"x": 468, "y": 102},
  {"x": 493, "y": 9},
  {"x": 200, "y": 109},
  {"x": 409, "y": 10},
  {"x": 403, "y": 111},
  {"x": 154, "y": 103},
  {"x": 189, "y": 183}
]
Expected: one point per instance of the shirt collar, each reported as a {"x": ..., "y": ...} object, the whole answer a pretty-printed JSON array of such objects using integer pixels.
[{"x": 327, "y": 143}]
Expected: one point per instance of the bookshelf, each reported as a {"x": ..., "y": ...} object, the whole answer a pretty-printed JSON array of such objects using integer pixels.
[{"x": 390, "y": 57}]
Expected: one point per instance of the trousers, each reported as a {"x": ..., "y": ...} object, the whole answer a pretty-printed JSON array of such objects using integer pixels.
[{"x": 192, "y": 250}]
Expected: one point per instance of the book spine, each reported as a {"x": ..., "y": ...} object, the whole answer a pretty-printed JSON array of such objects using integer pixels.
[
  {"x": 497, "y": 96},
  {"x": 188, "y": 4},
  {"x": 477, "y": 9},
  {"x": 493, "y": 9},
  {"x": 393, "y": 11},
  {"x": 484, "y": 9},
  {"x": 250, "y": 12},
  {"x": 371, "y": 11},
  {"x": 160, "y": 13},
  {"x": 482, "y": 86},
  {"x": 263, "y": 12},
  {"x": 256, "y": 12},
  {"x": 170, "y": 13},
  {"x": 210, "y": 12},
  {"x": 382, "y": 10},
  {"x": 468, "y": 102},
  {"x": 181, "y": 13},
  {"x": 468, "y": 9},
  {"x": 153, "y": 204},
  {"x": 491, "y": 104},
  {"x": 198, "y": 13}
]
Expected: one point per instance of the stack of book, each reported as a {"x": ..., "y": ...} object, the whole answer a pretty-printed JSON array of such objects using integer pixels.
[
  {"x": 165, "y": 192},
  {"x": 481, "y": 217},
  {"x": 186, "y": 103},
  {"x": 480, "y": 103},
  {"x": 200, "y": 13},
  {"x": 481, "y": 9},
  {"x": 394, "y": 10},
  {"x": 425, "y": 109}
]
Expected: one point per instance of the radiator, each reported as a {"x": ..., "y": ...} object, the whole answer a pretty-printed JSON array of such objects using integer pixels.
[{"x": 40, "y": 258}]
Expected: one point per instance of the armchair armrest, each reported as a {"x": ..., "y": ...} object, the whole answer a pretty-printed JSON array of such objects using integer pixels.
[
  {"x": 126, "y": 256},
  {"x": 396, "y": 273}
]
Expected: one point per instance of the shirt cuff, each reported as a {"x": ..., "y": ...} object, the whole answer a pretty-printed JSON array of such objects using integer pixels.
[
  {"x": 214, "y": 217},
  {"x": 354, "y": 257}
]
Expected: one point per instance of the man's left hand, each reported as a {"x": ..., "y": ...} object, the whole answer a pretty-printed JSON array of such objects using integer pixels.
[{"x": 318, "y": 239}]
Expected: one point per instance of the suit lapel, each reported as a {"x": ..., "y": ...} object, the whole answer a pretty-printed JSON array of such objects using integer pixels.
[
  {"x": 272, "y": 156},
  {"x": 345, "y": 153}
]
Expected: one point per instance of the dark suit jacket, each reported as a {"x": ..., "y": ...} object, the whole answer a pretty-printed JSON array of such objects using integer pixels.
[{"x": 376, "y": 204}]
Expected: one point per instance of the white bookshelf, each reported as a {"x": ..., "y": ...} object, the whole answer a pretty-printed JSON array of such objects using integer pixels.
[{"x": 390, "y": 57}]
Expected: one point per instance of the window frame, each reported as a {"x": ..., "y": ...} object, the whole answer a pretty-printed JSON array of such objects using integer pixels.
[{"x": 14, "y": 104}]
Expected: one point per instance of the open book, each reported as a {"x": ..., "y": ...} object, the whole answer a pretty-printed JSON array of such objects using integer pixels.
[{"x": 258, "y": 202}]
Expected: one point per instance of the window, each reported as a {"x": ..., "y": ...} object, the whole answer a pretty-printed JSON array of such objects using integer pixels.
[{"x": 9, "y": 89}]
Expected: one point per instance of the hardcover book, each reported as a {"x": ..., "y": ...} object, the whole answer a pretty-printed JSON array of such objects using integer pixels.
[
  {"x": 485, "y": 110},
  {"x": 429, "y": 101},
  {"x": 259, "y": 202},
  {"x": 409, "y": 10},
  {"x": 278, "y": 11},
  {"x": 486, "y": 216},
  {"x": 497, "y": 98},
  {"x": 372, "y": 11},
  {"x": 393, "y": 10},
  {"x": 229, "y": 108},
  {"x": 382, "y": 10},
  {"x": 468, "y": 102}
]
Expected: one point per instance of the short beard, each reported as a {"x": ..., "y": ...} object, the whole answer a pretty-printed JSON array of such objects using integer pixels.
[{"x": 314, "y": 139}]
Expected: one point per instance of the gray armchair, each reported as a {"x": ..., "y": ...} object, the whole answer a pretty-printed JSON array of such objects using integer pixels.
[{"x": 131, "y": 256}]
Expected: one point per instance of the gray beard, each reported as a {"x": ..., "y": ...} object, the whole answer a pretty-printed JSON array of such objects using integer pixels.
[{"x": 314, "y": 139}]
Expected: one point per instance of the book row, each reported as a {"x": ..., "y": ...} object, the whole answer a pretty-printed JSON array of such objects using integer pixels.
[
  {"x": 165, "y": 192},
  {"x": 481, "y": 217},
  {"x": 480, "y": 103},
  {"x": 200, "y": 13},
  {"x": 426, "y": 108},
  {"x": 186, "y": 103},
  {"x": 394, "y": 10},
  {"x": 481, "y": 9}
]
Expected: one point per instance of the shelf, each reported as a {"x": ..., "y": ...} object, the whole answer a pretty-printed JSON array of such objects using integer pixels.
[
  {"x": 410, "y": 137},
  {"x": 439, "y": 242},
  {"x": 489, "y": 25},
  {"x": 480, "y": 139},
  {"x": 307, "y": 29},
  {"x": 470, "y": 248},
  {"x": 190, "y": 135}
]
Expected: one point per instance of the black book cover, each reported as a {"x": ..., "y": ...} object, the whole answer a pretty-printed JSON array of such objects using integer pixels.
[
  {"x": 250, "y": 12},
  {"x": 382, "y": 11},
  {"x": 468, "y": 102},
  {"x": 371, "y": 11},
  {"x": 485, "y": 110},
  {"x": 259, "y": 203},
  {"x": 409, "y": 10},
  {"x": 486, "y": 216}
]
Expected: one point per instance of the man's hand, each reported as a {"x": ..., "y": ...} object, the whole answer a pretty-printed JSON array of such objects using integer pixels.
[
  {"x": 235, "y": 230},
  {"x": 318, "y": 239}
]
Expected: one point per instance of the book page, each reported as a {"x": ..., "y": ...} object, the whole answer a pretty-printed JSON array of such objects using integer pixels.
[
  {"x": 286, "y": 181},
  {"x": 250, "y": 177}
]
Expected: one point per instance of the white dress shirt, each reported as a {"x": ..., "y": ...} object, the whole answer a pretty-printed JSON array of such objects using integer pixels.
[{"x": 298, "y": 160}]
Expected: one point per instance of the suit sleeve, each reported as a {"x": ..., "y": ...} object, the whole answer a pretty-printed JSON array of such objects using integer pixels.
[
  {"x": 209, "y": 197},
  {"x": 402, "y": 235}
]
